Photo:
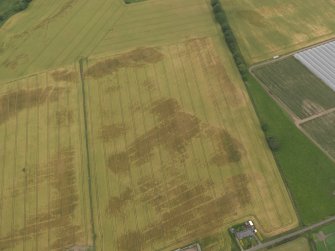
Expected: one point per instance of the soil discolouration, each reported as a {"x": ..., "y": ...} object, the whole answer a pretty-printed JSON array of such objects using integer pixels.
[
  {"x": 117, "y": 203},
  {"x": 228, "y": 149},
  {"x": 135, "y": 58},
  {"x": 119, "y": 163},
  {"x": 113, "y": 131},
  {"x": 175, "y": 130},
  {"x": 14, "y": 102},
  {"x": 62, "y": 175},
  {"x": 64, "y": 75}
]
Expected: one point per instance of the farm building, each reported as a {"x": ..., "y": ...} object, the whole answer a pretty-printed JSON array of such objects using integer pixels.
[{"x": 243, "y": 231}]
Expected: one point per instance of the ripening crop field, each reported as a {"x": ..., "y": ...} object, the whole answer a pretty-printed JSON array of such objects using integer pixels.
[
  {"x": 176, "y": 150},
  {"x": 132, "y": 131},
  {"x": 43, "y": 180},
  {"x": 268, "y": 28}
]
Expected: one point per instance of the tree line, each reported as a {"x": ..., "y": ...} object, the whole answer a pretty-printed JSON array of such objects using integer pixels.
[
  {"x": 16, "y": 7},
  {"x": 221, "y": 18}
]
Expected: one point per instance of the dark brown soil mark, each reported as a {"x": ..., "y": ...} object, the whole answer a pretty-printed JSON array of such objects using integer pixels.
[
  {"x": 13, "y": 102},
  {"x": 229, "y": 150},
  {"x": 119, "y": 163},
  {"x": 116, "y": 204},
  {"x": 64, "y": 118},
  {"x": 192, "y": 209},
  {"x": 135, "y": 58},
  {"x": 165, "y": 108},
  {"x": 174, "y": 131},
  {"x": 133, "y": 241},
  {"x": 64, "y": 75},
  {"x": 113, "y": 131},
  {"x": 61, "y": 172}
]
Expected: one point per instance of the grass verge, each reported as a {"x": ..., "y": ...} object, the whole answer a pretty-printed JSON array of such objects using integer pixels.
[{"x": 308, "y": 173}]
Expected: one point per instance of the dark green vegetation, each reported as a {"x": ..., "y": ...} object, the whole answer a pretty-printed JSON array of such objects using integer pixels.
[
  {"x": 294, "y": 85},
  {"x": 10, "y": 7},
  {"x": 221, "y": 18},
  {"x": 322, "y": 131},
  {"x": 324, "y": 238},
  {"x": 307, "y": 171}
]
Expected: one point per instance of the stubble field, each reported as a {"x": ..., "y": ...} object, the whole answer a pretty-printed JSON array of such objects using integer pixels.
[{"x": 268, "y": 28}]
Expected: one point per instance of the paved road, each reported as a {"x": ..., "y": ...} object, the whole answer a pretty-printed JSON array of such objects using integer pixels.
[{"x": 290, "y": 235}]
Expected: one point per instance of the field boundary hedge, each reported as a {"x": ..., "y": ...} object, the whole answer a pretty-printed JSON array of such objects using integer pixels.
[
  {"x": 221, "y": 18},
  {"x": 17, "y": 7}
]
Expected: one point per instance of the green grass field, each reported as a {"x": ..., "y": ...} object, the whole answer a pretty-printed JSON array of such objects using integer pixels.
[
  {"x": 324, "y": 238},
  {"x": 268, "y": 28},
  {"x": 296, "y": 87},
  {"x": 43, "y": 182},
  {"x": 300, "y": 244},
  {"x": 322, "y": 131},
  {"x": 308, "y": 172},
  {"x": 175, "y": 149}
]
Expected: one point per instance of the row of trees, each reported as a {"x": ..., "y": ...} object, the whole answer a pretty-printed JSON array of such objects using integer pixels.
[
  {"x": 222, "y": 19},
  {"x": 17, "y": 6},
  {"x": 231, "y": 41}
]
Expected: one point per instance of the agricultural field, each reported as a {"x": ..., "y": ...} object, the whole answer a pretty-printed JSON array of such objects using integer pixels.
[
  {"x": 322, "y": 131},
  {"x": 295, "y": 87},
  {"x": 324, "y": 238},
  {"x": 128, "y": 127},
  {"x": 176, "y": 149},
  {"x": 268, "y": 28},
  {"x": 300, "y": 244},
  {"x": 43, "y": 37},
  {"x": 43, "y": 182}
]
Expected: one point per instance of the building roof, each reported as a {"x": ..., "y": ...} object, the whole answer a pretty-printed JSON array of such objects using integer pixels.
[{"x": 245, "y": 233}]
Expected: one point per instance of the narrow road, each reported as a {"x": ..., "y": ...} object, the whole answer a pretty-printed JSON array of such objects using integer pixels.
[{"x": 290, "y": 235}]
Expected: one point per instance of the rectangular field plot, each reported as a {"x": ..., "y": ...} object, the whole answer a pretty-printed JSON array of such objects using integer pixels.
[
  {"x": 296, "y": 87},
  {"x": 321, "y": 61},
  {"x": 322, "y": 131},
  {"x": 43, "y": 204},
  {"x": 176, "y": 149},
  {"x": 268, "y": 28}
]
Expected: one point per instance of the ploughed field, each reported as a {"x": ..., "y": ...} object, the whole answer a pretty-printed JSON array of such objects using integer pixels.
[
  {"x": 268, "y": 28},
  {"x": 148, "y": 141}
]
